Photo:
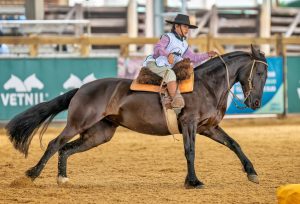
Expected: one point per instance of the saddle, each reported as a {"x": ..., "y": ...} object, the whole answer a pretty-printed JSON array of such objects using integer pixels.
[{"x": 149, "y": 81}]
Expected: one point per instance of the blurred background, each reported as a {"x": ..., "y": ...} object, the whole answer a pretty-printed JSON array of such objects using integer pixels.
[{"x": 51, "y": 46}]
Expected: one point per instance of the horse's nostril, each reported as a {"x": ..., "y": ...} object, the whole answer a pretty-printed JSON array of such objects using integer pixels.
[{"x": 257, "y": 103}]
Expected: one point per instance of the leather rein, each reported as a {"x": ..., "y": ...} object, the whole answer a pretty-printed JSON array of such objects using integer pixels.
[{"x": 247, "y": 94}]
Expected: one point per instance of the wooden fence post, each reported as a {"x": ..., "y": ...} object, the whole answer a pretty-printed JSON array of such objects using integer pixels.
[
  {"x": 210, "y": 42},
  {"x": 213, "y": 23},
  {"x": 279, "y": 45},
  {"x": 124, "y": 52},
  {"x": 132, "y": 23},
  {"x": 33, "y": 48},
  {"x": 265, "y": 24},
  {"x": 285, "y": 96},
  {"x": 84, "y": 46}
]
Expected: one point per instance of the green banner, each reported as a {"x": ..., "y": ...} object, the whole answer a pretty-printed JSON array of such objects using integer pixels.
[
  {"x": 27, "y": 82},
  {"x": 293, "y": 84}
]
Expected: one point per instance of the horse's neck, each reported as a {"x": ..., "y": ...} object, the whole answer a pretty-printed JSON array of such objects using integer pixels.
[{"x": 215, "y": 76}]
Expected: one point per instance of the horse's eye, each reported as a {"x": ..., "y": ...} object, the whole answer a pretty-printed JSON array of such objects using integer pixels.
[{"x": 259, "y": 74}]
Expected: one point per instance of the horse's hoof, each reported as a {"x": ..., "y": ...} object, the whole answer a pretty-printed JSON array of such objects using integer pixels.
[
  {"x": 253, "y": 178},
  {"x": 31, "y": 174},
  {"x": 200, "y": 186},
  {"x": 194, "y": 184},
  {"x": 62, "y": 180}
]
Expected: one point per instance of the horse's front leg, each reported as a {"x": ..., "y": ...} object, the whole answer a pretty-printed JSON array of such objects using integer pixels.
[
  {"x": 189, "y": 134},
  {"x": 219, "y": 135}
]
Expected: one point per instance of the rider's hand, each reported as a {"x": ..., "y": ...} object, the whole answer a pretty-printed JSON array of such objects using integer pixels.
[
  {"x": 171, "y": 58},
  {"x": 211, "y": 53}
]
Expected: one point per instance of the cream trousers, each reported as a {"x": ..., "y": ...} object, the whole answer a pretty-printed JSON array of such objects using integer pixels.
[{"x": 160, "y": 71}]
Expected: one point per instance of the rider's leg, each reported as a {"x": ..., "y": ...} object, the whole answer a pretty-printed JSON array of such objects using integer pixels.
[
  {"x": 169, "y": 77},
  {"x": 177, "y": 99}
]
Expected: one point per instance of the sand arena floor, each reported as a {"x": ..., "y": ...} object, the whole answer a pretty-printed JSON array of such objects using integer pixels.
[{"x": 136, "y": 168}]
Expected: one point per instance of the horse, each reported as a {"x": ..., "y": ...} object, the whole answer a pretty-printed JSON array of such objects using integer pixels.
[{"x": 97, "y": 108}]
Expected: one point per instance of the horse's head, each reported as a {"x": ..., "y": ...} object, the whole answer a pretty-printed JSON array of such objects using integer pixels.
[{"x": 253, "y": 79}]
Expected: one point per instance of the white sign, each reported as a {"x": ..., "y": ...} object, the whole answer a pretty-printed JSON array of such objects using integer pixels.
[
  {"x": 75, "y": 82},
  {"x": 22, "y": 91}
]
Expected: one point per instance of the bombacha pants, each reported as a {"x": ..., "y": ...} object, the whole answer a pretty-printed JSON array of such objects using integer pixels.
[{"x": 160, "y": 71}]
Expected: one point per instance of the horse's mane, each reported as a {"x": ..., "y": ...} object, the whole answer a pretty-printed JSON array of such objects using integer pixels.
[{"x": 216, "y": 61}]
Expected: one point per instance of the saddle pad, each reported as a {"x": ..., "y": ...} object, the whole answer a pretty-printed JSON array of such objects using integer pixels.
[{"x": 185, "y": 86}]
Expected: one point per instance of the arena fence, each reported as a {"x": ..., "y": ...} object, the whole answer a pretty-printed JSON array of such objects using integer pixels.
[{"x": 204, "y": 43}]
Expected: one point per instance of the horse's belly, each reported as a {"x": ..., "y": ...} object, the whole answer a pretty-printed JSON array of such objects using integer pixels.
[
  {"x": 153, "y": 124},
  {"x": 142, "y": 112}
]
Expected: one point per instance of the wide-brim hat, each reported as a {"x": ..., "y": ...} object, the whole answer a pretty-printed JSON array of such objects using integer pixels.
[{"x": 182, "y": 19}]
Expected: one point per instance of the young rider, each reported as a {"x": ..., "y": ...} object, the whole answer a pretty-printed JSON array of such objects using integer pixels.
[{"x": 172, "y": 48}]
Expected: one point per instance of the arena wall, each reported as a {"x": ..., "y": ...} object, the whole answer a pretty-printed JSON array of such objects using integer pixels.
[
  {"x": 293, "y": 84},
  {"x": 27, "y": 81}
]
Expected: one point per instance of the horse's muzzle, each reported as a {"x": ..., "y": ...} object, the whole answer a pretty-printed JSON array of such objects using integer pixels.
[{"x": 255, "y": 104}]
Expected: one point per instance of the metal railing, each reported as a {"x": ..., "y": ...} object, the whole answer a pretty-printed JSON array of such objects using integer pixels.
[{"x": 26, "y": 27}]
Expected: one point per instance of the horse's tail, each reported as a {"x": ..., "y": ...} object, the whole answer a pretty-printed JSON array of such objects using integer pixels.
[{"x": 22, "y": 127}]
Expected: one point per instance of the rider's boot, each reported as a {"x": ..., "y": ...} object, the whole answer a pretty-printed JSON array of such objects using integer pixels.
[{"x": 177, "y": 99}]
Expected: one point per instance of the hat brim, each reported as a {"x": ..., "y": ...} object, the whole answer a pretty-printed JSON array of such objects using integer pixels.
[{"x": 190, "y": 26}]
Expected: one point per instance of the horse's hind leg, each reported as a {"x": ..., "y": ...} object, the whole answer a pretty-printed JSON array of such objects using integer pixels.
[
  {"x": 98, "y": 134},
  {"x": 219, "y": 135},
  {"x": 53, "y": 146}
]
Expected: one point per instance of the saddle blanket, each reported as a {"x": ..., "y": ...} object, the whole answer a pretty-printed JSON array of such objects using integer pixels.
[{"x": 185, "y": 86}]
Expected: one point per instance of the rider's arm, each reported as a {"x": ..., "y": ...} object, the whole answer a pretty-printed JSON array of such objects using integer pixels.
[
  {"x": 196, "y": 58},
  {"x": 160, "y": 47}
]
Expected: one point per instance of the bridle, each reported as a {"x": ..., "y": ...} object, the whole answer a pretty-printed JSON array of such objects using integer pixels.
[{"x": 250, "y": 78}]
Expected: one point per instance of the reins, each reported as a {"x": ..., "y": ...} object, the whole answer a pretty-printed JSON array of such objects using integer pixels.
[{"x": 249, "y": 82}]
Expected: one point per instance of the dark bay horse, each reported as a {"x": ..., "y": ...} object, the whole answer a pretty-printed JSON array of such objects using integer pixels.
[{"x": 98, "y": 108}]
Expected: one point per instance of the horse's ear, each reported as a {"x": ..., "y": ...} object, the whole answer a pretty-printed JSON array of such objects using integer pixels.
[{"x": 255, "y": 52}]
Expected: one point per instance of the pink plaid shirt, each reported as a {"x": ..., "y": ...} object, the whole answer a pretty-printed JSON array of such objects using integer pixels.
[{"x": 160, "y": 50}]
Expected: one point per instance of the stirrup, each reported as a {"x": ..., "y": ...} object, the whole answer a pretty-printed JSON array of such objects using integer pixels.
[
  {"x": 177, "y": 110},
  {"x": 177, "y": 101}
]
